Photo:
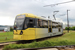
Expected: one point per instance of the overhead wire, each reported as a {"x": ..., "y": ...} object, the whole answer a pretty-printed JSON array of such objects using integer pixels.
[{"x": 58, "y": 3}]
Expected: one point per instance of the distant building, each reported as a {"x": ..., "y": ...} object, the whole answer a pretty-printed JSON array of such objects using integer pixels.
[
  {"x": 11, "y": 26},
  {"x": 4, "y": 28}
]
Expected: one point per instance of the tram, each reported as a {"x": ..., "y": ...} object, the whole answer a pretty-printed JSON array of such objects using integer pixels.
[{"x": 29, "y": 27}]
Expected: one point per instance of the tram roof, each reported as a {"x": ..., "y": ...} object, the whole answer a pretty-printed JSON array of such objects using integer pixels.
[
  {"x": 35, "y": 16},
  {"x": 32, "y": 16}
]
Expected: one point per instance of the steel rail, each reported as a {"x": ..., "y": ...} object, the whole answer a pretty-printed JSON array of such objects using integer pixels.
[{"x": 58, "y": 47}]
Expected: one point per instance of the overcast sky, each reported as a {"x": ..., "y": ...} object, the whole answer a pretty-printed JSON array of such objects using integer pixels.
[{"x": 10, "y": 8}]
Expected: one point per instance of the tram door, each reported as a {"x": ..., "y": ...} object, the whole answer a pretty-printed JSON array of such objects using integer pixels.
[
  {"x": 30, "y": 28},
  {"x": 49, "y": 26}
]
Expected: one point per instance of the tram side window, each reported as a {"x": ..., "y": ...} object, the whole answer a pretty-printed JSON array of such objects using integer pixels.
[
  {"x": 60, "y": 26},
  {"x": 45, "y": 24},
  {"x": 29, "y": 23},
  {"x": 39, "y": 23},
  {"x": 54, "y": 25}
]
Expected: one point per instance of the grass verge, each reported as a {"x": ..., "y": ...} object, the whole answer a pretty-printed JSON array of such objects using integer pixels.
[
  {"x": 67, "y": 39},
  {"x": 6, "y": 37}
]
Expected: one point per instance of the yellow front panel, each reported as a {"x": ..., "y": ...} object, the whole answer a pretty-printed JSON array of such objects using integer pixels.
[
  {"x": 30, "y": 33},
  {"x": 20, "y": 37},
  {"x": 17, "y": 32}
]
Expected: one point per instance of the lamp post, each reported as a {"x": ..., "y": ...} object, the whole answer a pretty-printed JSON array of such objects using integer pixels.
[{"x": 68, "y": 21}]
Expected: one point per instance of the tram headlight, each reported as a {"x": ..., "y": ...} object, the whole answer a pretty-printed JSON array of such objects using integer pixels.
[{"x": 21, "y": 32}]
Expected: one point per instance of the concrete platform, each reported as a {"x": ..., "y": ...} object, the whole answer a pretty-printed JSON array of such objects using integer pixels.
[
  {"x": 37, "y": 49},
  {"x": 49, "y": 49}
]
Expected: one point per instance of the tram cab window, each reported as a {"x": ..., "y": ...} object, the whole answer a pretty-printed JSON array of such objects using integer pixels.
[{"x": 29, "y": 23}]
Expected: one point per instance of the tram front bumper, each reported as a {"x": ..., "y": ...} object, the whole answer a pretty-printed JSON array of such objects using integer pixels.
[{"x": 17, "y": 37}]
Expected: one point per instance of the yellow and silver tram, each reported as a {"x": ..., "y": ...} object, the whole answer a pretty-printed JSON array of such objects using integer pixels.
[{"x": 30, "y": 27}]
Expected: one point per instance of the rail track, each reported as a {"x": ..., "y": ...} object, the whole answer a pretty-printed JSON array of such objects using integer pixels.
[
  {"x": 11, "y": 42},
  {"x": 6, "y": 43},
  {"x": 67, "y": 47}
]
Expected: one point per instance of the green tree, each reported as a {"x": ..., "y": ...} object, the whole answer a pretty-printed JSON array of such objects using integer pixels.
[
  {"x": 66, "y": 28},
  {"x": 73, "y": 28},
  {"x": 70, "y": 28},
  {"x": 11, "y": 29}
]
